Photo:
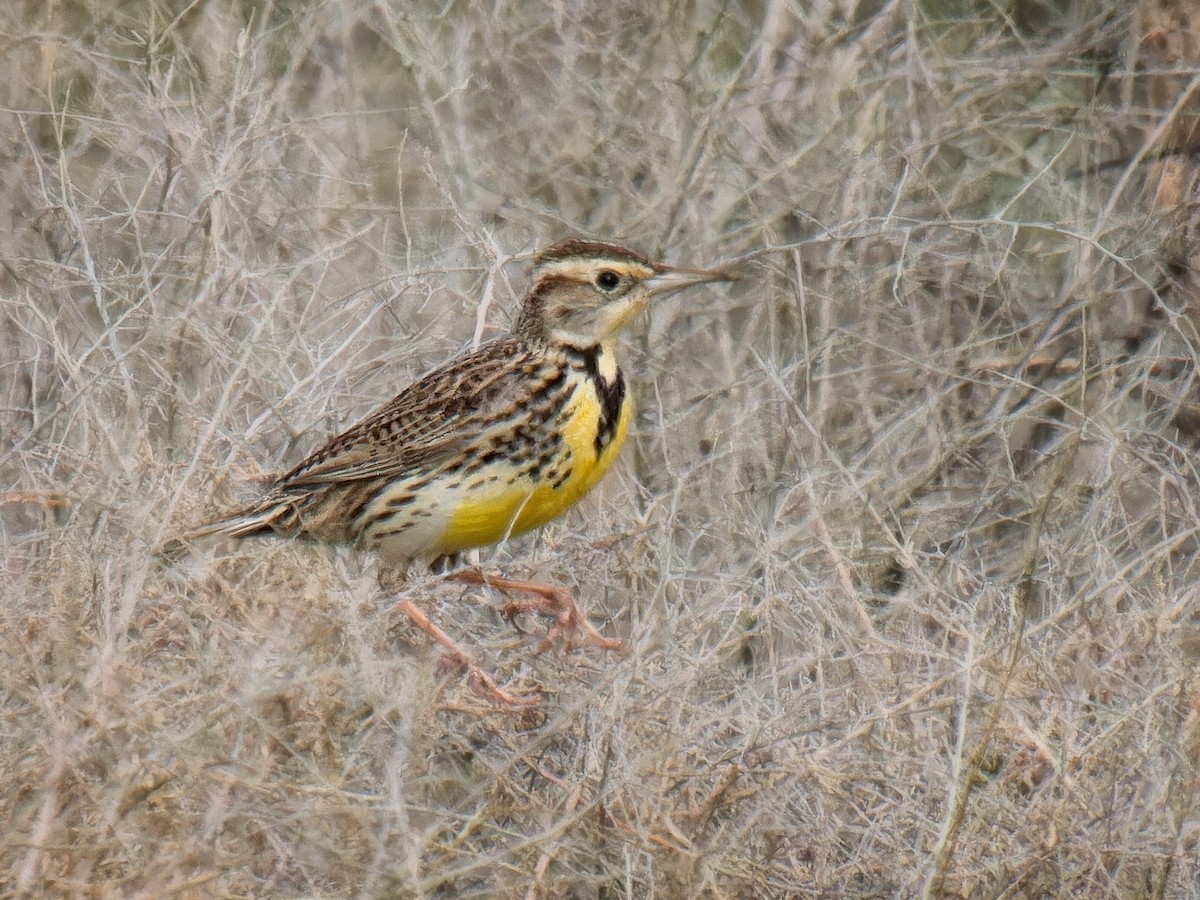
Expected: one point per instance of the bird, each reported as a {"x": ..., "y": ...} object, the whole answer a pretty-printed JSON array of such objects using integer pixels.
[{"x": 494, "y": 443}]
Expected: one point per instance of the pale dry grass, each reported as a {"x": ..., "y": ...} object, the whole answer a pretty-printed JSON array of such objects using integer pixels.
[{"x": 905, "y": 542}]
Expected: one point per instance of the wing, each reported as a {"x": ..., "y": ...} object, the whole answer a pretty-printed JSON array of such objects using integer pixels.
[{"x": 425, "y": 424}]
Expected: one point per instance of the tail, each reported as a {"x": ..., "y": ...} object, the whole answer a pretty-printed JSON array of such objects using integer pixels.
[{"x": 270, "y": 517}]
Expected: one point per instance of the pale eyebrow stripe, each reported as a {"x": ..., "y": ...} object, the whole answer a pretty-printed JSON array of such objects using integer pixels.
[{"x": 576, "y": 270}]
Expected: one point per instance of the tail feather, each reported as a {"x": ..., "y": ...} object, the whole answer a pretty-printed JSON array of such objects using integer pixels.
[{"x": 275, "y": 518}]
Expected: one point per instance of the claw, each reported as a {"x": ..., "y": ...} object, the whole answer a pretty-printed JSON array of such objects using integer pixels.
[
  {"x": 477, "y": 680},
  {"x": 547, "y": 600}
]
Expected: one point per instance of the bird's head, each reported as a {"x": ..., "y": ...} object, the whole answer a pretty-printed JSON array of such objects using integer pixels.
[{"x": 584, "y": 292}]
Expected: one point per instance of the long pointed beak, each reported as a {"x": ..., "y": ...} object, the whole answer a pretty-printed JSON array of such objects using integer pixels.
[{"x": 672, "y": 279}]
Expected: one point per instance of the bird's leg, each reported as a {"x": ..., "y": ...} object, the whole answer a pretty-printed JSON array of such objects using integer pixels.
[
  {"x": 477, "y": 679},
  {"x": 547, "y": 600}
]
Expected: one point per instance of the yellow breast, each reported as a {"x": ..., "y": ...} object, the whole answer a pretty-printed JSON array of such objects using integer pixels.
[{"x": 508, "y": 505}]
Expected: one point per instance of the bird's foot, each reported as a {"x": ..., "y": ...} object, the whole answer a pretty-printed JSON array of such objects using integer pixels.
[
  {"x": 548, "y": 600},
  {"x": 457, "y": 659}
]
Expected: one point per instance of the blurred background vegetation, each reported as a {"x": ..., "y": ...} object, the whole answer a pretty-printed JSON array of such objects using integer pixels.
[{"x": 905, "y": 542}]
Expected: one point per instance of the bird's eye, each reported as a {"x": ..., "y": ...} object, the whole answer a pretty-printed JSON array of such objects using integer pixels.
[{"x": 608, "y": 280}]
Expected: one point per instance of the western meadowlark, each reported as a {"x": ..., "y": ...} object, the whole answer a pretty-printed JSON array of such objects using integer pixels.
[{"x": 498, "y": 441}]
